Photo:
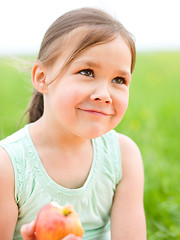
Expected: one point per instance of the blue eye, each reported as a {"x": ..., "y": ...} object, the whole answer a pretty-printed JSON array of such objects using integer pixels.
[
  {"x": 119, "y": 80},
  {"x": 87, "y": 72}
]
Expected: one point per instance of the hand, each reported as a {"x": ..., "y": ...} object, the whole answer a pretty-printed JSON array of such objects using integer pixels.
[
  {"x": 28, "y": 232},
  {"x": 72, "y": 237}
]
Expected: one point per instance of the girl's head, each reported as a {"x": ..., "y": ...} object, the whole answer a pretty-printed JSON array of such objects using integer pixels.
[{"x": 88, "y": 27}]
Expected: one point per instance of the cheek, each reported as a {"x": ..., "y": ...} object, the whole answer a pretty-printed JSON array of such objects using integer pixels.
[
  {"x": 73, "y": 96},
  {"x": 67, "y": 98},
  {"x": 122, "y": 104}
]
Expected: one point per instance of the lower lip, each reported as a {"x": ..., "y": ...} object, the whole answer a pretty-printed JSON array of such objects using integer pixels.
[{"x": 94, "y": 113}]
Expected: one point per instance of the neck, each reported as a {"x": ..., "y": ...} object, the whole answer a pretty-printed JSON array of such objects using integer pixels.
[{"x": 51, "y": 136}]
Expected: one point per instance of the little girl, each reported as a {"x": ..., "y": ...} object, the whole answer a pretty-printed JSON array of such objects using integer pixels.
[{"x": 69, "y": 152}]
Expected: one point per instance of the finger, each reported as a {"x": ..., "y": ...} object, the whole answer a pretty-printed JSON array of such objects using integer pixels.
[
  {"x": 27, "y": 231},
  {"x": 72, "y": 237}
]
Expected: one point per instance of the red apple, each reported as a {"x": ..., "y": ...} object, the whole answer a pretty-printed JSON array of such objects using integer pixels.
[{"x": 55, "y": 222}]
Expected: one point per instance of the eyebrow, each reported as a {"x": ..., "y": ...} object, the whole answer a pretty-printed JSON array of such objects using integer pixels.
[
  {"x": 88, "y": 63},
  {"x": 97, "y": 65}
]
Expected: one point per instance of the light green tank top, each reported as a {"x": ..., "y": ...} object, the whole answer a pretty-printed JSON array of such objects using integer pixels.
[{"x": 34, "y": 188}]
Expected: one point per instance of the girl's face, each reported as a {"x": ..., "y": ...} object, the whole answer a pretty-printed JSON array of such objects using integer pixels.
[{"x": 91, "y": 96}]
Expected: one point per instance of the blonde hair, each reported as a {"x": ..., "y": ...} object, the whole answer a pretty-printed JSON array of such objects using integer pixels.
[{"x": 101, "y": 27}]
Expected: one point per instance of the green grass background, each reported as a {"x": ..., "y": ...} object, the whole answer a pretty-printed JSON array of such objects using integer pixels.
[{"x": 152, "y": 121}]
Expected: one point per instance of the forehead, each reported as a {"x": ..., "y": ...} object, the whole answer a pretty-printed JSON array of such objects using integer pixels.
[
  {"x": 84, "y": 37},
  {"x": 114, "y": 54},
  {"x": 111, "y": 53},
  {"x": 74, "y": 38}
]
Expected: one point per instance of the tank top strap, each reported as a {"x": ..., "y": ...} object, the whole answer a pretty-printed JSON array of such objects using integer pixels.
[{"x": 110, "y": 146}]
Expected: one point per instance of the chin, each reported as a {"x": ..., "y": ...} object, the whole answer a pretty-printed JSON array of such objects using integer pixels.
[{"x": 95, "y": 133}]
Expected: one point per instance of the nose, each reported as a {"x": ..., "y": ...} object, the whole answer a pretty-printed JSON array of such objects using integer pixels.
[{"x": 101, "y": 94}]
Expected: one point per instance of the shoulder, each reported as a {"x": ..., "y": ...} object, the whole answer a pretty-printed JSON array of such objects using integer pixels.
[
  {"x": 6, "y": 165},
  {"x": 4, "y": 160},
  {"x": 7, "y": 183},
  {"x": 130, "y": 152},
  {"x": 14, "y": 137},
  {"x": 8, "y": 206},
  {"x": 6, "y": 169},
  {"x": 13, "y": 144},
  {"x": 127, "y": 144},
  {"x": 132, "y": 163}
]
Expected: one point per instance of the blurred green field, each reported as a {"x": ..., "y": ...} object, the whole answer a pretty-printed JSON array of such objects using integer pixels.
[{"x": 152, "y": 121}]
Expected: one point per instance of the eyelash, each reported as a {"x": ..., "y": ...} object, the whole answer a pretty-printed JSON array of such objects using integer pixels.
[
  {"x": 123, "y": 81},
  {"x": 91, "y": 74},
  {"x": 86, "y": 71}
]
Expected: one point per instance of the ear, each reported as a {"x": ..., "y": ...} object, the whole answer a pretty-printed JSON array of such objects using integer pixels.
[{"x": 39, "y": 78}]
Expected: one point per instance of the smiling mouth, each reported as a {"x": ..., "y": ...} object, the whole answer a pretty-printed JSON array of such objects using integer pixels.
[{"x": 95, "y": 112}]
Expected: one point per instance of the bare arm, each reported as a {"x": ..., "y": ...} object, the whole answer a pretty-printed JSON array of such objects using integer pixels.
[
  {"x": 127, "y": 216},
  {"x": 8, "y": 207}
]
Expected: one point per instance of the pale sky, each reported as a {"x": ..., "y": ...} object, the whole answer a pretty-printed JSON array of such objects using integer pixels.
[{"x": 154, "y": 23}]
